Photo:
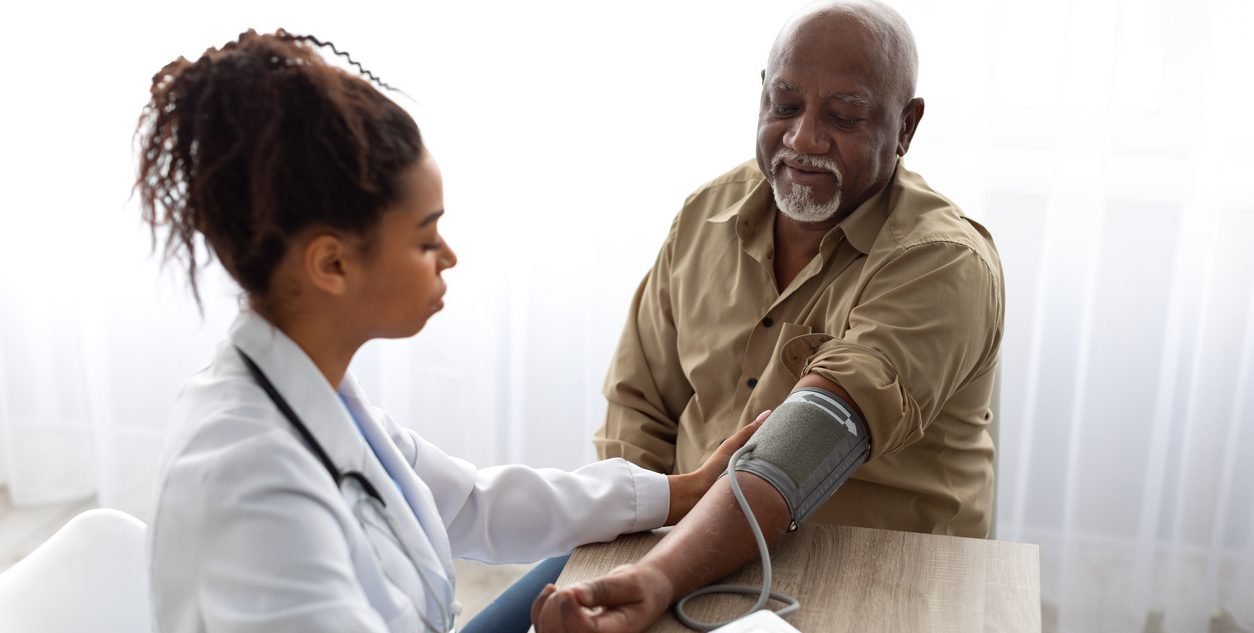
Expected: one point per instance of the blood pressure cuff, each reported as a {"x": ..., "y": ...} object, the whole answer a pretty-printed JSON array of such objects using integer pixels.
[{"x": 807, "y": 448}]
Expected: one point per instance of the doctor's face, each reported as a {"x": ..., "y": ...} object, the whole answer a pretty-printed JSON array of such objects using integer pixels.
[{"x": 403, "y": 286}]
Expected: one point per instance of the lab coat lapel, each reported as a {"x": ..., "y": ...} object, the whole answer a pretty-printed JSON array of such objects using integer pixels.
[{"x": 425, "y": 516}]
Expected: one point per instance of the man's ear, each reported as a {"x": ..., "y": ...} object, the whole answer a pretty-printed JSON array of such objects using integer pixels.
[
  {"x": 910, "y": 117},
  {"x": 324, "y": 262}
]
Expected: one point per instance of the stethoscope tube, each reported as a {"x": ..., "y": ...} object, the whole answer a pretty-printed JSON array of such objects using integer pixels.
[{"x": 286, "y": 409}]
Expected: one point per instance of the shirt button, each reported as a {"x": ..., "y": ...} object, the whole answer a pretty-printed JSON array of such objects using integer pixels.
[
  {"x": 768, "y": 322},
  {"x": 752, "y": 382}
]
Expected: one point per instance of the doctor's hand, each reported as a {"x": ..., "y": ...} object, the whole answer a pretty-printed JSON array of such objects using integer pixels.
[
  {"x": 687, "y": 489},
  {"x": 627, "y": 600}
]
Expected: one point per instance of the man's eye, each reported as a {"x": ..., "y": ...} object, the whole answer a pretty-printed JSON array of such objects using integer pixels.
[
  {"x": 783, "y": 110},
  {"x": 435, "y": 246},
  {"x": 845, "y": 122}
]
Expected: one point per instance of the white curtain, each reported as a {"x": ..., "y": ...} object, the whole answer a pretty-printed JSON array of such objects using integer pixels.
[{"x": 1104, "y": 143}]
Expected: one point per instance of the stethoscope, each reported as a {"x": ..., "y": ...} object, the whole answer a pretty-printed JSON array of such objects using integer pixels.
[{"x": 447, "y": 617}]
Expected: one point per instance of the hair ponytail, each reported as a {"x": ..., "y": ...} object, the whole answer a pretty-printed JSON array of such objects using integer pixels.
[{"x": 260, "y": 139}]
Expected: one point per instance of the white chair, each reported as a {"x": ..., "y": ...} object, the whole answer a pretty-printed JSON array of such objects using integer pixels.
[{"x": 89, "y": 576}]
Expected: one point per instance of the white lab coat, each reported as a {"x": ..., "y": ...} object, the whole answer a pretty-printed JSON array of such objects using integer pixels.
[{"x": 250, "y": 533}]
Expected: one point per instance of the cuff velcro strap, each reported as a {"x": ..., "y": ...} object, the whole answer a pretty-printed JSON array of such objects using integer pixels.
[{"x": 807, "y": 448}]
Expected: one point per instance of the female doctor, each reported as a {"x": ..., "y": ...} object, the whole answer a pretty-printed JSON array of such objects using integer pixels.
[{"x": 287, "y": 501}]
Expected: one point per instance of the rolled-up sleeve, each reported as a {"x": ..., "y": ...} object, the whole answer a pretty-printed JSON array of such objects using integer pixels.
[
  {"x": 926, "y": 322},
  {"x": 646, "y": 388}
]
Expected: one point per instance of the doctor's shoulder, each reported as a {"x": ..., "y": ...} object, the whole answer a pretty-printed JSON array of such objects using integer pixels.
[
  {"x": 238, "y": 500},
  {"x": 226, "y": 444},
  {"x": 231, "y": 493}
]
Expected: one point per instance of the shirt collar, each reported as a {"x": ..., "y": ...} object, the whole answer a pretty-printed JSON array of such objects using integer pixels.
[
  {"x": 753, "y": 206},
  {"x": 754, "y": 215},
  {"x": 862, "y": 227}
]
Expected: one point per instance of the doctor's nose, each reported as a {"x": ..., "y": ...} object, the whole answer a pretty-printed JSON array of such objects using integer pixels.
[{"x": 448, "y": 258}]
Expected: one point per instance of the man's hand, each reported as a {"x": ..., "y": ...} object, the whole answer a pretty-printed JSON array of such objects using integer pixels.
[
  {"x": 627, "y": 600},
  {"x": 687, "y": 489}
]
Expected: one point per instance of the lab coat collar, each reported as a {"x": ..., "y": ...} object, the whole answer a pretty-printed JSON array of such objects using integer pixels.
[{"x": 306, "y": 390}]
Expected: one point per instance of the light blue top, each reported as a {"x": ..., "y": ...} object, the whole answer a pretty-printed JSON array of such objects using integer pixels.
[{"x": 375, "y": 450}]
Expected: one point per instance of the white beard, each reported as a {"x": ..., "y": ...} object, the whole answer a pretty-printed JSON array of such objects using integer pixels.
[{"x": 799, "y": 204}]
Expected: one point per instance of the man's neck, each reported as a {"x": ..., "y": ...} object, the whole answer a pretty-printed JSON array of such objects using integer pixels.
[{"x": 796, "y": 242}]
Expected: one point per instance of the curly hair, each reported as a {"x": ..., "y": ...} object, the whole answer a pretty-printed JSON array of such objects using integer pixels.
[{"x": 259, "y": 140}]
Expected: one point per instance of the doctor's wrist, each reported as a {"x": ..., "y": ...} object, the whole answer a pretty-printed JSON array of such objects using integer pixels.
[{"x": 686, "y": 490}]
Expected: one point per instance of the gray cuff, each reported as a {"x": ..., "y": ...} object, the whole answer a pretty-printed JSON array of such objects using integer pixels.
[{"x": 807, "y": 448}]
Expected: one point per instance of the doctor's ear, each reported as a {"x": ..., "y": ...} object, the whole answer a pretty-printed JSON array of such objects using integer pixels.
[{"x": 324, "y": 262}]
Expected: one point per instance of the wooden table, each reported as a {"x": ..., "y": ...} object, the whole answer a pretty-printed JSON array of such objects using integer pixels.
[{"x": 866, "y": 580}]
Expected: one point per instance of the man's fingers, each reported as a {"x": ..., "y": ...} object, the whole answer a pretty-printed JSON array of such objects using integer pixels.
[
  {"x": 571, "y": 608},
  {"x": 538, "y": 604},
  {"x": 573, "y": 615},
  {"x": 626, "y": 602},
  {"x": 609, "y": 591},
  {"x": 561, "y": 612}
]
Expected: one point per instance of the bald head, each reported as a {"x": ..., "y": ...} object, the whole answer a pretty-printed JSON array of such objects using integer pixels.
[{"x": 885, "y": 40}]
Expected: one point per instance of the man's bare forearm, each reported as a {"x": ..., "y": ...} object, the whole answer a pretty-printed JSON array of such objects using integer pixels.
[{"x": 715, "y": 539}]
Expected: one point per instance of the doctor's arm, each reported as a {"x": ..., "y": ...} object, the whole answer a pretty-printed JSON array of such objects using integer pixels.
[{"x": 516, "y": 513}]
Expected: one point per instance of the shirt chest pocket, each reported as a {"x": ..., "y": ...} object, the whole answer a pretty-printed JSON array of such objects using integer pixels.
[{"x": 776, "y": 380}]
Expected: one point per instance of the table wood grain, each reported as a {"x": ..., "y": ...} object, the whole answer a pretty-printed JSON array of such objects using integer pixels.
[{"x": 866, "y": 580}]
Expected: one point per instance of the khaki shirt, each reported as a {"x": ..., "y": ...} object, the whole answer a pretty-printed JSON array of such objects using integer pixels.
[{"x": 902, "y": 307}]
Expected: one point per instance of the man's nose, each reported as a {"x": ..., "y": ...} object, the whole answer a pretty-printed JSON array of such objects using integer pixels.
[{"x": 808, "y": 135}]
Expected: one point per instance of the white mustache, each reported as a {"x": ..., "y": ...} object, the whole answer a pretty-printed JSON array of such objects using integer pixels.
[{"x": 810, "y": 161}]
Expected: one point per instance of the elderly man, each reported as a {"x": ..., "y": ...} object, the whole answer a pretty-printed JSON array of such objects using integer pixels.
[{"x": 825, "y": 265}]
